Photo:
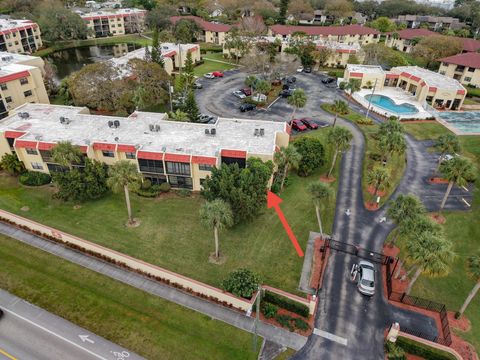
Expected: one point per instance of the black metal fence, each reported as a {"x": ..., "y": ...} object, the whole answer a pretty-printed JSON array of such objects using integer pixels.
[{"x": 357, "y": 251}]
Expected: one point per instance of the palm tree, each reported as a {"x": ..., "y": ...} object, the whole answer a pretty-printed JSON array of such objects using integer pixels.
[
  {"x": 286, "y": 158},
  {"x": 458, "y": 171},
  {"x": 378, "y": 178},
  {"x": 124, "y": 175},
  {"x": 65, "y": 154},
  {"x": 473, "y": 270},
  {"x": 319, "y": 193},
  {"x": 338, "y": 107},
  {"x": 392, "y": 125},
  {"x": 340, "y": 138},
  {"x": 263, "y": 87},
  {"x": 353, "y": 86},
  {"x": 250, "y": 81},
  {"x": 11, "y": 164},
  {"x": 430, "y": 253},
  {"x": 216, "y": 214},
  {"x": 391, "y": 143},
  {"x": 403, "y": 209},
  {"x": 298, "y": 99},
  {"x": 445, "y": 144}
]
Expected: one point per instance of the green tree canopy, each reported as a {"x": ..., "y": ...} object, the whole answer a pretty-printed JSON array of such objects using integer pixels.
[
  {"x": 242, "y": 283},
  {"x": 11, "y": 164},
  {"x": 216, "y": 215},
  {"x": 312, "y": 154}
]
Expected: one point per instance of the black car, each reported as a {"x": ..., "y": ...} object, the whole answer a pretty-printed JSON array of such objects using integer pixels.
[
  {"x": 286, "y": 93},
  {"x": 308, "y": 69},
  {"x": 1, "y": 313},
  {"x": 328, "y": 80},
  {"x": 291, "y": 79},
  {"x": 247, "y": 107}
]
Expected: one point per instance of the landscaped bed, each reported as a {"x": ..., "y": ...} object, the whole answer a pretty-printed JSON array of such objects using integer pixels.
[{"x": 418, "y": 349}]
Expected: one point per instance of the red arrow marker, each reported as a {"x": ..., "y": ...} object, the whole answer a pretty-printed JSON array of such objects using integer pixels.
[{"x": 274, "y": 201}]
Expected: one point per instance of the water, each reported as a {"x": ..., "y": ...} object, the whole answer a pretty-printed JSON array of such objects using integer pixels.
[
  {"x": 71, "y": 60},
  {"x": 468, "y": 121},
  {"x": 388, "y": 104}
]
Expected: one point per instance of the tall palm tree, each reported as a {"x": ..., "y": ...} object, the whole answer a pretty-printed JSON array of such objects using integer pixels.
[
  {"x": 216, "y": 215},
  {"x": 11, "y": 164},
  {"x": 403, "y": 209},
  {"x": 65, "y": 154},
  {"x": 446, "y": 144},
  {"x": 298, "y": 99},
  {"x": 285, "y": 158},
  {"x": 430, "y": 253},
  {"x": 124, "y": 175},
  {"x": 458, "y": 170},
  {"x": 378, "y": 178},
  {"x": 353, "y": 86},
  {"x": 391, "y": 143},
  {"x": 392, "y": 125},
  {"x": 338, "y": 107},
  {"x": 320, "y": 193},
  {"x": 263, "y": 87},
  {"x": 473, "y": 270},
  {"x": 250, "y": 81},
  {"x": 340, "y": 138}
]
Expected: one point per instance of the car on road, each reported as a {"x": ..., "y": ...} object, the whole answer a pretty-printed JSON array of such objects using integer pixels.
[
  {"x": 239, "y": 94},
  {"x": 209, "y": 76},
  {"x": 247, "y": 91},
  {"x": 298, "y": 125},
  {"x": 291, "y": 79},
  {"x": 366, "y": 278},
  {"x": 217, "y": 74},
  {"x": 300, "y": 69},
  {"x": 197, "y": 85},
  {"x": 328, "y": 80},
  {"x": 247, "y": 107},
  {"x": 205, "y": 119},
  {"x": 286, "y": 93},
  {"x": 309, "y": 123},
  {"x": 308, "y": 69}
]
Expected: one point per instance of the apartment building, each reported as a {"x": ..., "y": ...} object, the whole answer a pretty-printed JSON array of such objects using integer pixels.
[
  {"x": 462, "y": 67},
  {"x": 179, "y": 153},
  {"x": 114, "y": 22},
  {"x": 435, "y": 89},
  {"x": 21, "y": 81},
  {"x": 348, "y": 34},
  {"x": 213, "y": 33},
  {"x": 19, "y": 36},
  {"x": 435, "y": 23}
]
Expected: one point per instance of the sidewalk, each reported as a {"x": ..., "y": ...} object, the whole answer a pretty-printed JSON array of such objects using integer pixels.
[{"x": 239, "y": 320}]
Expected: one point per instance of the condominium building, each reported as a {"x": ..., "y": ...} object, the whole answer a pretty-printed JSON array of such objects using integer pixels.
[
  {"x": 435, "y": 23},
  {"x": 180, "y": 153},
  {"x": 213, "y": 33},
  {"x": 462, "y": 67},
  {"x": 114, "y": 22},
  {"x": 21, "y": 81},
  {"x": 435, "y": 89},
  {"x": 19, "y": 36}
]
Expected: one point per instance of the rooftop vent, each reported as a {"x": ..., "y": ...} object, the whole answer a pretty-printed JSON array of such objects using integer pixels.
[
  {"x": 157, "y": 128},
  {"x": 262, "y": 132},
  {"x": 213, "y": 131},
  {"x": 151, "y": 127},
  {"x": 116, "y": 138},
  {"x": 116, "y": 123},
  {"x": 207, "y": 131},
  {"x": 64, "y": 120},
  {"x": 256, "y": 132},
  {"x": 24, "y": 115},
  {"x": 110, "y": 123}
]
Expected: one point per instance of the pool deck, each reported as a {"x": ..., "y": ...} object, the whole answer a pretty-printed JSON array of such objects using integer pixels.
[
  {"x": 453, "y": 128},
  {"x": 399, "y": 97}
]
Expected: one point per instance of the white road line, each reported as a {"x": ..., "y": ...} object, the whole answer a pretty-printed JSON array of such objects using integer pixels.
[
  {"x": 464, "y": 188},
  {"x": 330, "y": 336},
  {"x": 466, "y": 202},
  {"x": 54, "y": 334}
]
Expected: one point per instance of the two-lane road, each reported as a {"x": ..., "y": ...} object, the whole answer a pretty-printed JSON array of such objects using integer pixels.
[{"x": 30, "y": 333}]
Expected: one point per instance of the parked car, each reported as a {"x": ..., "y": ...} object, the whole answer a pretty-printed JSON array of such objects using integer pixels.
[
  {"x": 286, "y": 93},
  {"x": 447, "y": 157},
  {"x": 328, "y": 80},
  {"x": 247, "y": 107},
  {"x": 239, "y": 94},
  {"x": 197, "y": 85},
  {"x": 217, "y": 74},
  {"x": 247, "y": 91},
  {"x": 205, "y": 119},
  {"x": 259, "y": 98},
  {"x": 291, "y": 79},
  {"x": 209, "y": 76},
  {"x": 366, "y": 278},
  {"x": 309, "y": 123},
  {"x": 308, "y": 69},
  {"x": 300, "y": 69},
  {"x": 298, "y": 125},
  {"x": 1, "y": 313}
]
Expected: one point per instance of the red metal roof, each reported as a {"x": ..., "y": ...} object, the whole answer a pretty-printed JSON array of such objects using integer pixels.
[
  {"x": 149, "y": 155},
  {"x": 177, "y": 158},
  {"x": 409, "y": 34},
  {"x": 324, "y": 30},
  {"x": 126, "y": 148},
  {"x": 356, "y": 74},
  {"x": 205, "y": 25},
  {"x": 392, "y": 76},
  {"x": 104, "y": 146},
  {"x": 83, "y": 148},
  {"x": 18, "y": 75},
  {"x": 14, "y": 134},
  {"x": 235, "y": 154},
  {"x": 414, "y": 78},
  {"x": 25, "y": 144},
  {"x": 470, "y": 59},
  {"x": 432, "y": 89},
  {"x": 45, "y": 146},
  {"x": 18, "y": 28},
  {"x": 204, "y": 160},
  {"x": 460, "y": 92}
]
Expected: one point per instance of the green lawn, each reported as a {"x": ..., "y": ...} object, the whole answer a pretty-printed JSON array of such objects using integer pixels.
[
  {"x": 171, "y": 235},
  {"x": 148, "y": 325},
  {"x": 424, "y": 131},
  {"x": 209, "y": 66},
  {"x": 463, "y": 229}
]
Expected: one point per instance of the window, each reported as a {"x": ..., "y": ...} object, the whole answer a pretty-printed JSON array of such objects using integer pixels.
[
  {"x": 205, "y": 167},
  {"x": 46, "y": 155},
  {"x": 468, "y": 79},
  {"x": 27, "y": 93},
  {"x": 36, "y": 166},
  {"x": 130, "y": 155},
  {"x": 156, "y": 179},
  {"x": 31, "y": 151},
  {"x": 151, "y": 166},
  {"x": 3, "y": 86},
  {"x": 56, "y": 168},
  {"x": 178, "y": 168},
  {"x": 180, "y": 182},
  {"x": 470, "y": 69},
  {"x": 16, "y": 42},
  {"x": 23, "y": 81},
  {"x": 108, "y": 153},
  {"x": 8, "y": 99},
  {"x": 7, "y": 36},
  {"x": 442, "y": 72}
]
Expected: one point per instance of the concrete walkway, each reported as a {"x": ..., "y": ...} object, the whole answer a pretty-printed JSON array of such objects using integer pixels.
[{"x": 215, "y": 311}]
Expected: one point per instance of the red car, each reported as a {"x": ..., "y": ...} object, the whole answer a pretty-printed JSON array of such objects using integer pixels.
[
  {"x": 298, "y": 125},
  {"x": 247, "y": 91},
  {"x": 309, "y": 123},
  {"x": 217, "y": 74}
]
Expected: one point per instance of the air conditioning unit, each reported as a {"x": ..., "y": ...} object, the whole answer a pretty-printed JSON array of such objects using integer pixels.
[
  {"x": 151, "y": 127},
  {"x": 256, "y": 132},
  {"x": 213, "y": 131},
  {"x": 110, "y": 123},
  {"x": 62, "y": 119},
  {"x": 207, "y": 132},
  {"x": 262, "y": 132},
  {"x": 157, "y": 128},
  {"x": 116, "y": 123}
]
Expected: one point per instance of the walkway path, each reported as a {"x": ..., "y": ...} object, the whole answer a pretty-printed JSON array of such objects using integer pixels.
[{"x": 208, "y": 308}]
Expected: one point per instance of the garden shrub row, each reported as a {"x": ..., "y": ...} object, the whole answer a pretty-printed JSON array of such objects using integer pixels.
[
  {"x": 291, "y": 323},
  {"x": 424, "y": 351},
  {"x": 286, "y": 304},
  {"x": 34, "y": 178}
]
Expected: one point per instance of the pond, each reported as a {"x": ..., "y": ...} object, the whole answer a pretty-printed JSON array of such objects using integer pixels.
[{"x": 70, "y": 60}]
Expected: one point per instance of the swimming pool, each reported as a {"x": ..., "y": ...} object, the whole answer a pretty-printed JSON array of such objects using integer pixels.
[
  {"x": 464, "y": 121},
  {"x": 388, "y": 104}
]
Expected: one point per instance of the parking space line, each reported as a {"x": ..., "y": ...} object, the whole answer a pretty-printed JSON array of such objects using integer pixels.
[
  {"x": 3, "y": 352},
  {"x": 330, "y": 336}
]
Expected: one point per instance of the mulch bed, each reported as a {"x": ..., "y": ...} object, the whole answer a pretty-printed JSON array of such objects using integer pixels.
[
  {"x": 371, "y": 190},
  {"x": 372, "y": 206},
  {"x": 318, "y": 266},
  {"x": 438, "y": 218},
  {"x": 325, "y": 179},
  {"x": 437, "y": 180},
  {"x": 310, "y": 321}
]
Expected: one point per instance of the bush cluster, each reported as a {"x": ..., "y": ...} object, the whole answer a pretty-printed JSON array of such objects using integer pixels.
[
  {"x": 291, "y": 323},
  {"x": 269, "y": 310},
  {"x": 34, "y": 178},
  {"x": 421, "y": 350},
  {"x": 286, "y": 304}
]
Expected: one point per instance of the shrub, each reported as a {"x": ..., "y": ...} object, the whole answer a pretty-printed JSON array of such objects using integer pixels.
[
  {"x": 300, "y": 324},
  {"x": 364, "y": 121},
  {"x": 394, "y": 352},
  {"x": 184, "y": 192},
  {"x": 146, "y": 184},
  {"x": 286, "y": 304},
  {"x": 165, "y": 187},
  {"x": 11, "y": 164},
  {"x": 313, "y": 154},
  {"x": 375, "y": 156},
  {"x": 241, "y": 282},
  {"x": 332, "y": 74},
  {"x": 34, "y": 178},
  {"x": 275, "y": 188},
  {"x": 424, "y": 351},
  {"x": 150, "y": 192},
  {"x": 284, "y": 320},
  {"x": 269, "y": 310}
]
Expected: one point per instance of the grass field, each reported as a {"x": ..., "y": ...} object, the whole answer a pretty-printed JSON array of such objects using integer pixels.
[
  {"x": 150, "y": 326},
  {"x": 171, "y": 235},
  {"x": 425, "y": 131},
  {"x": 463, "y": 229},
  {"x": 209, "y": 66}
]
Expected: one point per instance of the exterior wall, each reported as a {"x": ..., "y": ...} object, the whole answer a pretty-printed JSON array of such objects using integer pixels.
[
  {"x": 4, "y": 147},
  {"x": 13, "y": 41},
  {"x": 214, "y": 37},
  {"x": 345, "y": 39},
  {"x": 30, "y": 159},
  {"x": 168, "y": 65},
  {"x": 114, "y": 24},
  {"x": 399, "y": 44},
  {"x": 464, "y": 76},
  {"x": 181, "y": 59},
  {"x": 367, "y": 78}
]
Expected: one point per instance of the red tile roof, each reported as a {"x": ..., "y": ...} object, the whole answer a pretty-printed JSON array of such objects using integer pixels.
[
  {"x": 205, "y": 25},
  {"x": 470, "y": 59},
  {"x": 409, "y": 34},
  {"x": 324, "y": 30},
  {"x": 470, "y": 44}
]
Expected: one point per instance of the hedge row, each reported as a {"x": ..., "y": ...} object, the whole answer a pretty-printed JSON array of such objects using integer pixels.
[
  {"x": 286, "y": 304},
  {"x": 422, "y": 350},
  {"x": 34, "y": 178}
]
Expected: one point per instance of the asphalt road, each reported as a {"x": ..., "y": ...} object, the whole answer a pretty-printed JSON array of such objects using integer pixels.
[{"x": 30, "y": 333}]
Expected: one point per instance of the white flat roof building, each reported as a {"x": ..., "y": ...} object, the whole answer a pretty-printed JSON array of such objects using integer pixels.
[{"x": 431, "y": 78}]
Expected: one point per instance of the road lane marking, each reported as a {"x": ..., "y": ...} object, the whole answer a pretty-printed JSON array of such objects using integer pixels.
[
  {"x": 3, "y": 352},
  {"x": 330, "y": 336},
  {"x": 466, "y": 202},
  {"x": 54, "y": 334}
]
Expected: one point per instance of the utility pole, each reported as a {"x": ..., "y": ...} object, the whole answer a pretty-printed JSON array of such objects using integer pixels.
[
  {"x": 257, "y": 318},
  {"x": 370, "y": 99},
  {"x": 170, "y": 95}
]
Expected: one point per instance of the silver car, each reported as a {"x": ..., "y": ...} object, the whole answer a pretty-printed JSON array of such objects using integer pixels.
[
  {"x": 239, "y": 94},
  {"x": 366, "y": 278}
]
